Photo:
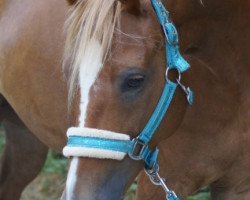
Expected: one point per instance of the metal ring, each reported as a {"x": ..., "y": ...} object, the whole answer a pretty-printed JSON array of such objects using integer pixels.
[{"x": 178, "y": 80}]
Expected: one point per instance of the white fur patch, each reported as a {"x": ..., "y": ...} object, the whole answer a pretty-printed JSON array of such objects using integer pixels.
[
  {"x": 93, "y": 153},
  {"x": 90, "y": 67},
  {"x": 71, "y": 179},
  {"x": 90, "y": 132}
]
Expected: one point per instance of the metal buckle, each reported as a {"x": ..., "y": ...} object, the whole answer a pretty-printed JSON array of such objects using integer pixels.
[
  {"x": 140, "y": 147},
  {"x": 167, "y": 34}
]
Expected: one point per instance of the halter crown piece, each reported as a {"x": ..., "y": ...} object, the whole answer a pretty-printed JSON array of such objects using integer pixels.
[{"x": 85, "y": 142}]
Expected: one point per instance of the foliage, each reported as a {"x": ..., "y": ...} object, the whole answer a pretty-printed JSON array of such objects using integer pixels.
[
  {"x": 203, "y": 194},
  {"x": 2, "y": 140},
  {"x": 55, "y": 164}
]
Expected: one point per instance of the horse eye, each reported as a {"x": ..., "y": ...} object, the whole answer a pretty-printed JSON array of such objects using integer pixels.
[
  {"x": 135, "y": 81},
  {"x": 132, "y": 83}
]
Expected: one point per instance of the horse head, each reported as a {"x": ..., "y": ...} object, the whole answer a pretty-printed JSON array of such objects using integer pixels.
[{"x": 117, "y": 55}]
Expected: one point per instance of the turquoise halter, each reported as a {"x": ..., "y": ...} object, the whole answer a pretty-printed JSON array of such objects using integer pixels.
[{"x": 138, "y": 148}]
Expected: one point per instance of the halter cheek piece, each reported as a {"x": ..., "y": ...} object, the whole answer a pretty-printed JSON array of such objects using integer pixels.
[{"x": 86, "y": 142}]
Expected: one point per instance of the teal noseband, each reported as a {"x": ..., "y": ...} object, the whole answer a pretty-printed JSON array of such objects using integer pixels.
[{"x": 138, "y": 148}]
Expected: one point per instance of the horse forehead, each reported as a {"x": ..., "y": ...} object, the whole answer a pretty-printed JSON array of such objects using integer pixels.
[
  {"x": 139, "y": 25},
  {"x": 132, "y": 44}
]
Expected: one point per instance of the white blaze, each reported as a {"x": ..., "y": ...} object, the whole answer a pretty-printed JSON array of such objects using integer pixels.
[
  {"x": 72, "y": 178},
  {"x": 90, "y": 67},
  {"x": 91, "y": 64}
]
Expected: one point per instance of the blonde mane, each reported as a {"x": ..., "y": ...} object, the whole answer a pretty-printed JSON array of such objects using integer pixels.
[{"x": 90, "y": 20}]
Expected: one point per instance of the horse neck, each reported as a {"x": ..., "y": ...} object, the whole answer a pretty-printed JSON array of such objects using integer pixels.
[
  {"x": 216, "y": 33},
  {"x": 214, "y": 39}
]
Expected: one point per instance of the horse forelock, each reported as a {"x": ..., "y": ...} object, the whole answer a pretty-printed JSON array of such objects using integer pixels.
[{"x": 89, "y": 22}]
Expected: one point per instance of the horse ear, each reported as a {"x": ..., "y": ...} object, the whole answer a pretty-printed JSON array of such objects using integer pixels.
[
  {"x": 132, "y": 6},
  {"x": 71, "y": 2}
]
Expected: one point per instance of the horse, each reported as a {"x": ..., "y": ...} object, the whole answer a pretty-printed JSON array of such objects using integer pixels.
[
  {"x": 114, "y": 64},
  {"x": 33, "y": 97}
]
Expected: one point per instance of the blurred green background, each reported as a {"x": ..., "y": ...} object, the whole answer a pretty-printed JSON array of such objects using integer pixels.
[{"x": 51, "y": 181}]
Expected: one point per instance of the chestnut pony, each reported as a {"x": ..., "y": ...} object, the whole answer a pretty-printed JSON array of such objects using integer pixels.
[{"x": 115, "y": 80}]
